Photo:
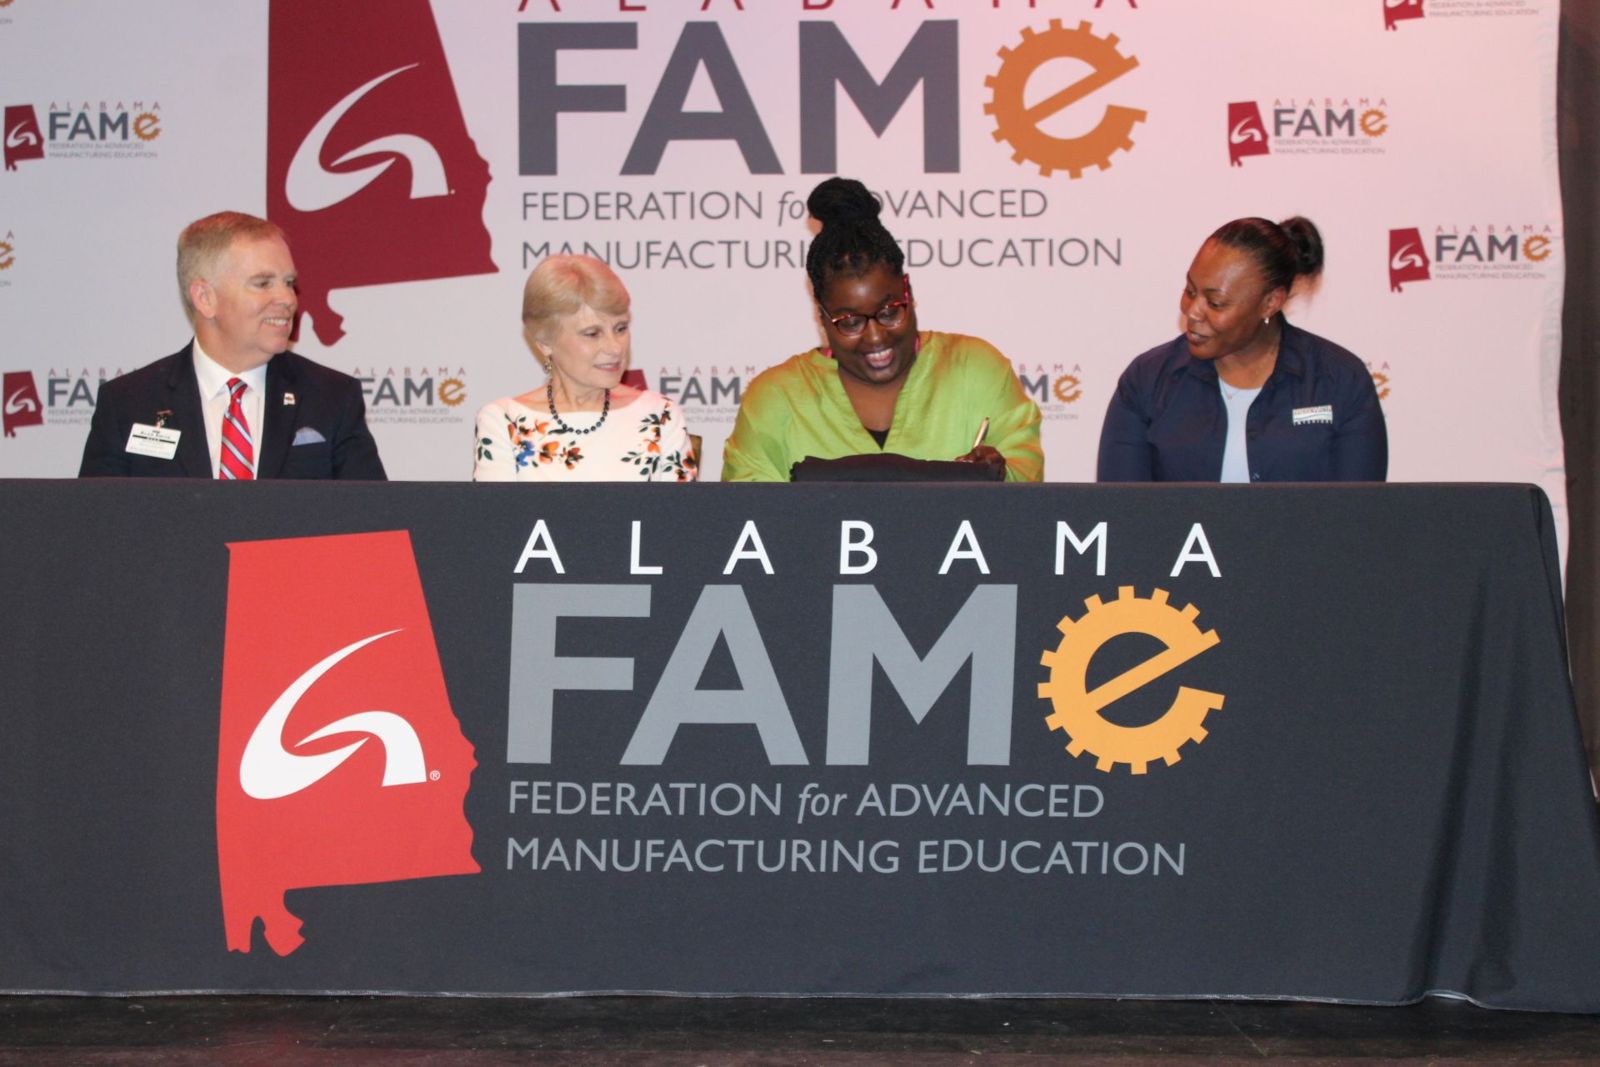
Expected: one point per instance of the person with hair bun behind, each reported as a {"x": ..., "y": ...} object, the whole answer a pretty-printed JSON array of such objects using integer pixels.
[
  {"x": 879, "y": 386},
  {"x": 1241, "y": 395}
]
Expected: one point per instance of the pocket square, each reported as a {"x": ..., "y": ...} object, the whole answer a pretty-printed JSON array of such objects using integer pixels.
[{"x": 308, "y": 435}]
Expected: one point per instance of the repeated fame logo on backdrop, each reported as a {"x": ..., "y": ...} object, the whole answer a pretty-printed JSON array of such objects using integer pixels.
[
  {"x": 24, "y": 140},
  {"x": 22, "y": 404},
  {"x": 370, "y": 167},
  {"x": 107, "y": 129},
  {"x": 1397, "y": 11},
  {"x": 339, "y": 759},
  {"x": 707, "y": 392},
  {"x": 1408, "y": 261},
  {"x": 1056, "y": 387},
  {"x": 1473, "y": 251},
  {"x": 413, "y": 394},
  {"x": 1247, "y": 134},
  {"x": 1314, "y": 126},
  {"x": 1382, "y": 378},
  {"x": 66, "y": 398}
]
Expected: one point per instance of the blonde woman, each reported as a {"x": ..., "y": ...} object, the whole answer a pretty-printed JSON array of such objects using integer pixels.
[{"x": 582, "y": 424}]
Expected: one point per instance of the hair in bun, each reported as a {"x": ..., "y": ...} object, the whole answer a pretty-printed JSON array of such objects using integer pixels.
[
  {"x": 1283, "y": 250},
  {"x": 851, "y": 240}
]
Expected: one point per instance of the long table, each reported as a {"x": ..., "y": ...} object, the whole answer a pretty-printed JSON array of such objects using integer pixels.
[{"x": 1299, "y": 742}]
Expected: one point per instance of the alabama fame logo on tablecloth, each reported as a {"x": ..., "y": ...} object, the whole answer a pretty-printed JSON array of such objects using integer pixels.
[
  {"x": 1077, "y": 709},
  {"x": 370, "y": 168},
  {"x": 340, "y": 760}
]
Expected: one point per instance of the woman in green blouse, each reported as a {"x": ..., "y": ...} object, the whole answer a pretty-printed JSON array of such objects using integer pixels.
[{"x": 880, "y": 385}]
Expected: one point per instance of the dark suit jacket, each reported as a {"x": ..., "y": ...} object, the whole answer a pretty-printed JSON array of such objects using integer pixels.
[{"x": 327, "y": 404}]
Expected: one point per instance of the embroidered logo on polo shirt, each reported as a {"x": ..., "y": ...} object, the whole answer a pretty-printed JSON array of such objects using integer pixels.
[{"x": 1320, "y": 413}]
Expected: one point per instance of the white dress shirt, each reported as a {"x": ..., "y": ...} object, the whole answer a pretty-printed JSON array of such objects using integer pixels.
[{"x": 213, "y": 380}]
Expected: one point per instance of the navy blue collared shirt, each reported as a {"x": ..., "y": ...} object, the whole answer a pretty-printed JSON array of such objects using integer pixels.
[{"x": 1317, "y": 418}]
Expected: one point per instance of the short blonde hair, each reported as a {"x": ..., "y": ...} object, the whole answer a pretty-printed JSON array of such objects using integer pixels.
[
  {"x": 561, "y": 285},
  {"x": 206, "y": 240}
]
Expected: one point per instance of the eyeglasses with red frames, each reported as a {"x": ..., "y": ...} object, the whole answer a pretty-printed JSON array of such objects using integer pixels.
[{"x": 892, "y": 314}]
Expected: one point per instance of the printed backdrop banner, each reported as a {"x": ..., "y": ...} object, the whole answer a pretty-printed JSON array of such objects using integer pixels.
[
  {"x": 1050, "y": 167},
  {"x": 797, "y": 739}
]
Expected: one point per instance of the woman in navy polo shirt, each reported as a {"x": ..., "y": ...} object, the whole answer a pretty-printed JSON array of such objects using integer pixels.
[{"x": 1241, "y": 395}]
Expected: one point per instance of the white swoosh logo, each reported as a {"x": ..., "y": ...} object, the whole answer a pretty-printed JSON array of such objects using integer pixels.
[
  {"x": 14, "y": 405},
  {"x": 1407, "y": 256},
  {"x": 310, "y": 187},
  {"x": 1399, "y": 3},
  {"x": 269, "y": 770},
  {"x": 20, "y": 135},
  {"x": 1243, "y": 132}
]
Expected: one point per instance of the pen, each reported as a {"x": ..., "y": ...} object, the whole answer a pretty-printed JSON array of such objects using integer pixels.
[{"x": 983, "y": 431}]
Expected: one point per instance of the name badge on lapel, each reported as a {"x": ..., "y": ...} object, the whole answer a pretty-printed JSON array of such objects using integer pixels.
[
  {"x": 159, "y": 442},
  {"x": 1320, "y": 413}
]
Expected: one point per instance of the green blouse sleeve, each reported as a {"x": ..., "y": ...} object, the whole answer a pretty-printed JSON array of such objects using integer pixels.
[
  {"x": 1013, "y": 416},
  {"x": 755, "y": 451}
]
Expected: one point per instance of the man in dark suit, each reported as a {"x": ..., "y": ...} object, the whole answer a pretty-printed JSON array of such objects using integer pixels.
[{"x": 233, "y": 403}]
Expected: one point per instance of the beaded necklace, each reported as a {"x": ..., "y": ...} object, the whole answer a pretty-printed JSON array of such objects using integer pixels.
[{"x": 550, "y": 396}]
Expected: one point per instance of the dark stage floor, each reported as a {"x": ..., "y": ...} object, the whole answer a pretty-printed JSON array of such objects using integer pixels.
[{"x": 445, "y": 1032}]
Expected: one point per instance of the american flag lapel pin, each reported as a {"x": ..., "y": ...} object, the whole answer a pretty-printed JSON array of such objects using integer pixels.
[{"x": 288, "y": 400}]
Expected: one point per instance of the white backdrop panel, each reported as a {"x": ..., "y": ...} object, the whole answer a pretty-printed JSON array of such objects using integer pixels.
[{"x": 1443, "y": 123}]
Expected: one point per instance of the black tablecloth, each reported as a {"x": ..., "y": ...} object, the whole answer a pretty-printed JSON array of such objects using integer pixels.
[{"x": 1302, "y": 742}]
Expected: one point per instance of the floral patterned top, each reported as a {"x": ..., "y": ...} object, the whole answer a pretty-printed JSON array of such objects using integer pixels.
[{"x": 643, "y": 439}]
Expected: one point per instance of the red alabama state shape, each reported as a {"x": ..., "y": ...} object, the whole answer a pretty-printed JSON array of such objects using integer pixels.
[
  {"x": 340, "y": 761},
  {"x": 370, "y": 168},
  {"x": 21, "y": 404},
  {"x": 1247, "y": 134},
  {"x": 1397, "y": 11},
  {"x": 1408, "y": 262},
  {"x": 23, "y": 140}
]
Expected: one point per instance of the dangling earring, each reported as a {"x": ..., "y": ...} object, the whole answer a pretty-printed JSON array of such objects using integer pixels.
[{"x": 828, "y": 352}]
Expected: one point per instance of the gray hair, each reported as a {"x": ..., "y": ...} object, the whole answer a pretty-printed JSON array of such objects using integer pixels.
[{"x": 204, "y": 241}]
